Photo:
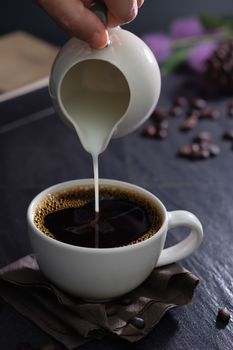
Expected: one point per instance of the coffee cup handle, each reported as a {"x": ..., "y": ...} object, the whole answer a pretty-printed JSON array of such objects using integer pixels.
[{"x": 188, "y": 245}]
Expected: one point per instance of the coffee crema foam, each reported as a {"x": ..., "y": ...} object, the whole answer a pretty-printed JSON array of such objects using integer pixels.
[{"x": 76, "y": 197}]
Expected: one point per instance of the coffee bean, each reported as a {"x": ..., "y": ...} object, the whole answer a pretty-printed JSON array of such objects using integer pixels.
[
  {"x": 24, "y": 346},
  {"x": 201, "y": 154},
  {"x": 205, "y": 145},
  {"x": 137, "y": 322},
  {"x": 203, "y": 136},
  {"x": 181, "y": 101},
  {"x": 228, "y": 135},
  {"x": 195, "y": 112},
  {"x": 189, "y": 123},
  {"x": 201, "y": 148},
  {"x": 185, "y": 151},
  {"x": 162, "y": 133},
  {"x": 159, "y": 114},
  {"x": 204, "y": 154},
  {"x": 164, "y": 124},
  {"x": 198, "y": 103},
  {"x": 209, "y": 113},
  {"x": 195, "y": 147},
  {"x": 220, "y": 75},
  {"x": 200, "y": 151},
  {"x": 195, "y": 151},
  {"x": 214, "y": 150},
  {"x": 224, "y": 315},
  {"x": 176, "y": 111},
  {"x": 111, "y": 309},
  {"x": 150, "y": 131}
]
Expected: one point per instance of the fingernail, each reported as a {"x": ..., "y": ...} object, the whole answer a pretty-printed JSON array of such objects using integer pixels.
[
  {"x": 108, "y": 41},
  {"x": 99, "y": 40}
]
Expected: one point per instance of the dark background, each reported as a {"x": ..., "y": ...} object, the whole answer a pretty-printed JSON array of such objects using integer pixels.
[{"x": 154, "y": 15}]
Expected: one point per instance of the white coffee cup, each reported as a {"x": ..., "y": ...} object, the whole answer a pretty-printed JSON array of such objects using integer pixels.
[{"x": 103, "y": 273}]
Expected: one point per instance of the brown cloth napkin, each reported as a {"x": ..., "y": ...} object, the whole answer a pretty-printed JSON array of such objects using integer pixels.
[{"x": 72, "y": 321}]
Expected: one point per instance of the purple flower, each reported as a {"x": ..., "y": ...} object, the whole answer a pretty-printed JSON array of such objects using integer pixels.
[
  {"x": 159, "y": 44},
  {"x": 186, "y": 27},
  {"x": 199, "y": 54}
]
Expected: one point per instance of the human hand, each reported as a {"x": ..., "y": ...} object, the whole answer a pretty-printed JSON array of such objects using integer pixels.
[{"x": 75, "y": 17}]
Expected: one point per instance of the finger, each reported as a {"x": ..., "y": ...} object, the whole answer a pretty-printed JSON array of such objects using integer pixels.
[
  {"x": 77, "y": 20},
  {"x": 121, "y": 11},
  {"x": 140, "y": 3}
]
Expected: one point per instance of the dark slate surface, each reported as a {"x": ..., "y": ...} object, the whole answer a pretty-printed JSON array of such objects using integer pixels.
[{"x": 37, "y": 150}]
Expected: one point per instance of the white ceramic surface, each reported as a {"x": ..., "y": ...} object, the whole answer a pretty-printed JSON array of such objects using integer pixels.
[
  {"x": 132, "y": 57},
  {"x": 100, "y": 274}
]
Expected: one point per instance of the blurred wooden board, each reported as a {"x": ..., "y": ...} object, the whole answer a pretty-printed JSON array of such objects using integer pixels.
[{"x": 25, "y": 63}]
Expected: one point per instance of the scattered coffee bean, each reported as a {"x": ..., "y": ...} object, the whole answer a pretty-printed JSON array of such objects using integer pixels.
[
  {"x": 228, "y": 135},
  {"x": 203, "y": 136},
  {"x": 195, "y": 147},
  {"x": 162, "y": 129},
  {"x": 201, "y": 148},
  {"x": 176, "y": 111},
  {"x": 150, "y": 131},
  {"x": 137, "y": 322},
  {"x": 214, "y": 149},
  {"x": 159, "y": 114},
  {"x": 198, "y": 103},
  {"x": 204, "y": 145},
  {"x": 189, "y": 123},
  {"x": 201, "y": 154},
  {"x": 162, "y": 134},
  {"x": 185, "y": 151},
  {"x": 197, "y": 152},
  {"x": 24, "y": 346},
  {"x": 159, "y": 127},
  {"x": 204, "y": 154},
  {"x": 209, "y": 113},
  {"x": 159, "y": 132},
  {"x": 224, "y": 315},
  {"x": 195, "y": 112},
  {"x": 195, "y": 155},
  {"x": 48, "y": 346},
  {"x": 111, "y": 309},
  {"x": 181, "y": 101},
  {"x": 164, "y": 124}
]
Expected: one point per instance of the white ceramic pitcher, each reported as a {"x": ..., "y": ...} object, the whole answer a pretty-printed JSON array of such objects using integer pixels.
[{"x": 118, "y": 85}]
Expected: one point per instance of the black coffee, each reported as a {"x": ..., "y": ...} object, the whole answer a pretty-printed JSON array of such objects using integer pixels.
[{"x": 125, "y": 217}]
